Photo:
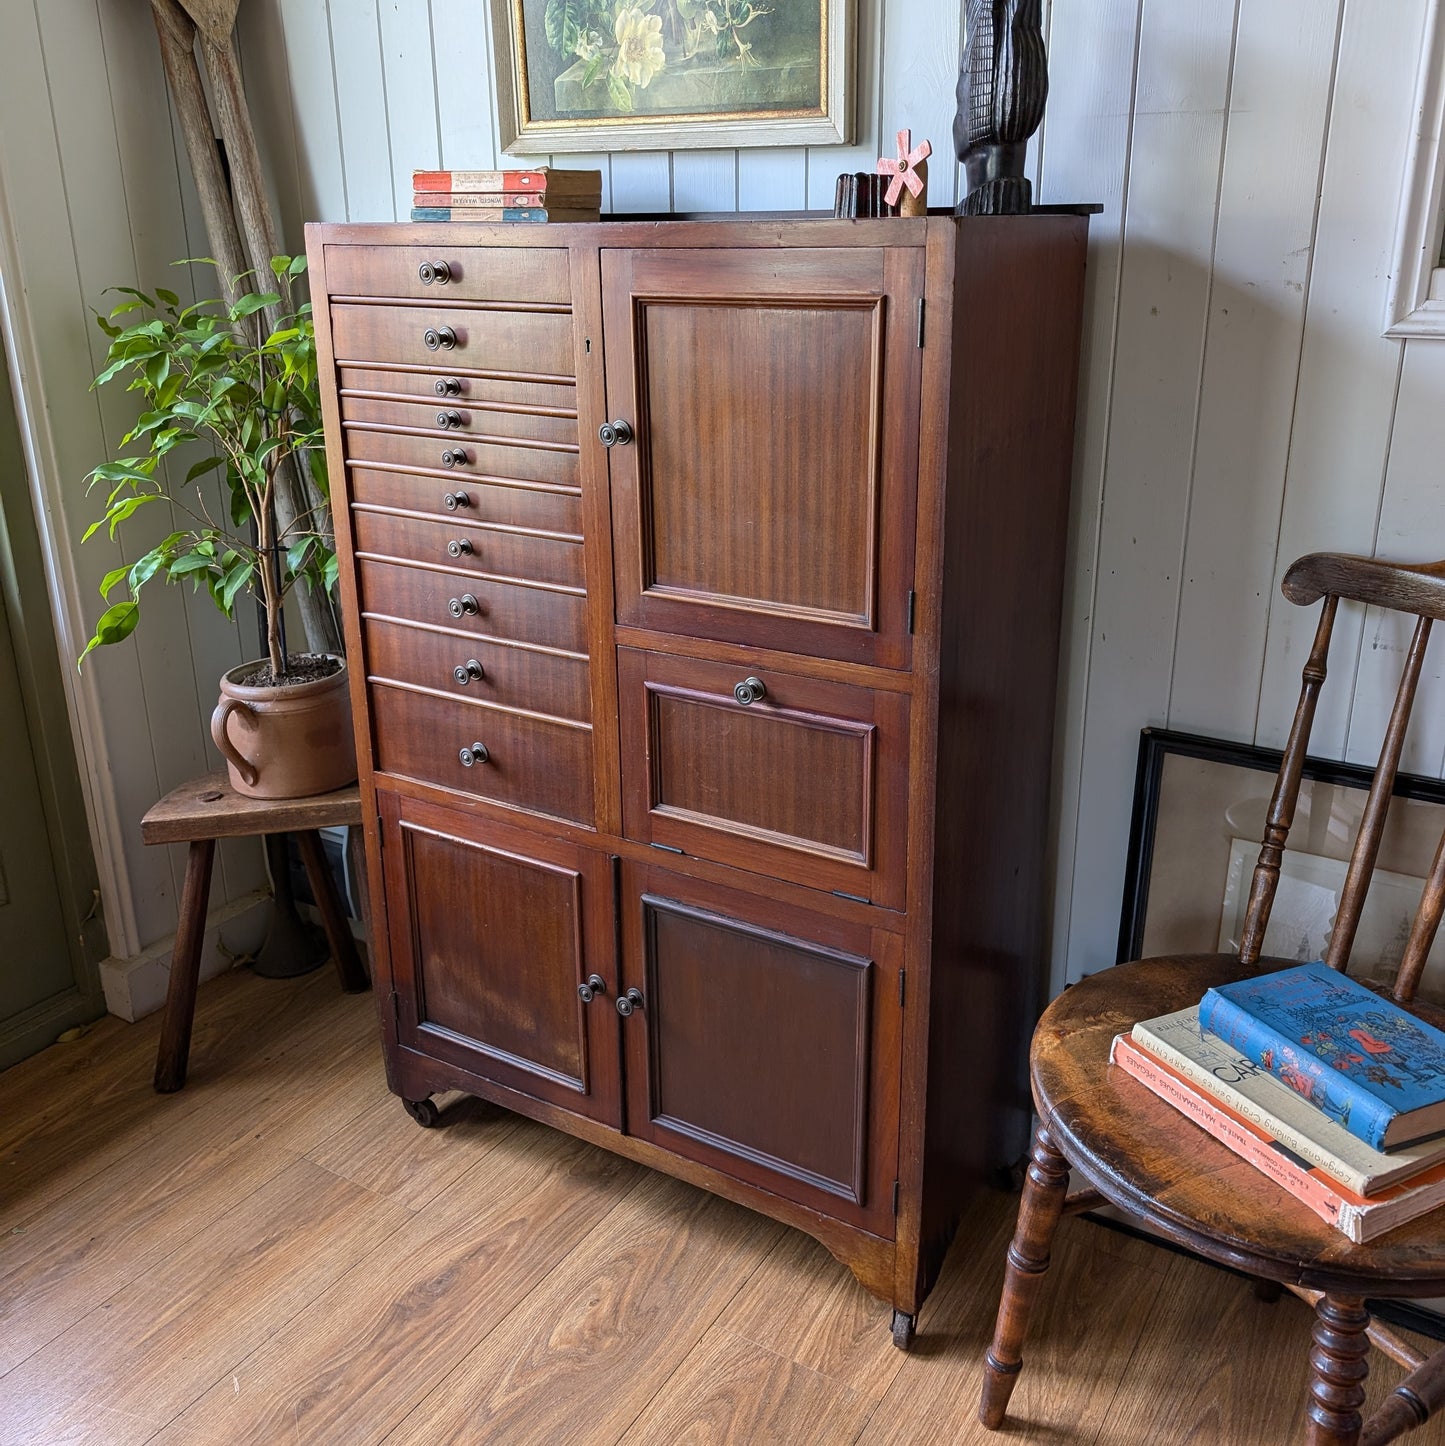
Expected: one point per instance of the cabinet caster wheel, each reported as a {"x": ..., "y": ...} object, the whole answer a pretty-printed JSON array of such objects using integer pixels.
[
  {"x": 903, "y": 1329},
  {"x": 426, "y": 1114}
]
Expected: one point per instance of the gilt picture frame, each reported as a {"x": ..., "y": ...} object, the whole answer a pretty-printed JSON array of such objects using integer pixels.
[
  {"x": 1198, "y": 816},
  {"x": 621, "y": 75}
]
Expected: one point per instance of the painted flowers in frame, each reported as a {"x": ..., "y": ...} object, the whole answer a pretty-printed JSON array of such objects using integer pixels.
[{"x": 611, "y": 75}]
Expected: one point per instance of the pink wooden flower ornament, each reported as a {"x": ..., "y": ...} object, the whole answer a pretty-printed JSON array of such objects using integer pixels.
[{"x": 905, "y": 170}]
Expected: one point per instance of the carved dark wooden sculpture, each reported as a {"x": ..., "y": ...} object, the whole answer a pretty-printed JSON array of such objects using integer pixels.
[{"x": 1003, "y": 81}]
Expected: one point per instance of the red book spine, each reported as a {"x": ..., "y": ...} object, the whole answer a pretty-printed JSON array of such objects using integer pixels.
[{"x": 479, "y": 180}]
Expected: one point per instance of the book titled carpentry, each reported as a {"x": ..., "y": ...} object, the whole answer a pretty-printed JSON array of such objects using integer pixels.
[
  {"x": 1362, "y": 1060},
  {"x": 1356, "y": 1216}
]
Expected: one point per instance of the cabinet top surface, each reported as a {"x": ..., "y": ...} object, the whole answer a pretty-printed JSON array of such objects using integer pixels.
[{"x": 741, "y": 229}]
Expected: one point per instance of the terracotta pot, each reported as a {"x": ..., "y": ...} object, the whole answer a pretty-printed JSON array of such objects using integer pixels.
[{"x": 286, "y": 742}]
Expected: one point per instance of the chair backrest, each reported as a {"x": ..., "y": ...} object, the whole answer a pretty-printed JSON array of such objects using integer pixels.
[{"x": 1419, "y": 590}]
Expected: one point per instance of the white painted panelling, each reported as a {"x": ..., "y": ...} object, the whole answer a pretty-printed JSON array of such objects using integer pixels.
[
  {"x": 1237, "y": 405},
  {"x": 1181, "y": 100}
]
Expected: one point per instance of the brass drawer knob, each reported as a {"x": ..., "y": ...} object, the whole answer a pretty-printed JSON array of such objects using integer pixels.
[
  {"x": 615, "y": 434},
  {"x": 626, "y": 1003},
  {"x": 750, "y": 690},
  {"x": 439, "y": 338},
  {"x": 464, "y": 606},
  {"x": 477, "y": 753},
  {"x": 448, "y": 387},
  {"x": 434, "y": 271},
  {"x": 449, "y": 420},
  {"x": 594, "y": 986},
  {"x": 466, "y": 672},
  {"x": 454, "y": 457},
  {"x": 459, "y": 547},
  {"x": 453, "y": 500}
]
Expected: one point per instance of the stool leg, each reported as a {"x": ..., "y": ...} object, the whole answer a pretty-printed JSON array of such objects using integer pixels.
[
  {"x": 349, "y": 968},
  {"x": 185, "y": 969},
  {"x": 1028, "y": 1259}
]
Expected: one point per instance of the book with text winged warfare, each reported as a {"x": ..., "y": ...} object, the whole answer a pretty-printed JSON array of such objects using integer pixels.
[{"x": 1366, "y": 1063}]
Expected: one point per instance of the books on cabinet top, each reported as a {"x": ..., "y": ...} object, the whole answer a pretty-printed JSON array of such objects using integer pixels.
[
  {"x": 1361, "y": 1218},
  {"x": 577, "y": 187},
  {"x": 1359, "y": 1058}
]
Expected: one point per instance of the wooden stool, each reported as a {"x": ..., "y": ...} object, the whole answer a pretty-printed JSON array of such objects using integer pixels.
[{"x": 200, "y": 812}]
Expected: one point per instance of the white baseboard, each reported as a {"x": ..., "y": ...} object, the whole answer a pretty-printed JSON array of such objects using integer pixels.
[{"x": 136, "y": 986}]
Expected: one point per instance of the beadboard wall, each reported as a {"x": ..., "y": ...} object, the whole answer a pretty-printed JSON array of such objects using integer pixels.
[{"x": 1239, "y": 406}]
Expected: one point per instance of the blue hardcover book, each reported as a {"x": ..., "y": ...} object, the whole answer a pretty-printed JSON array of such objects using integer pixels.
[
  {"x": 1360, "y": 1058},
  {"x": 527, "y": 215}
]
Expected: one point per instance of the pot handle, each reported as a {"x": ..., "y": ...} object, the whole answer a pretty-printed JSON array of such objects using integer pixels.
[{"x": 219, "y": 718}]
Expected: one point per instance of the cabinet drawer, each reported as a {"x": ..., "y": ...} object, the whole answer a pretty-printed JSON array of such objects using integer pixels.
[
  {"x": 466, "y": 457},
  {"x": 512, "y": 676},
  {"x": 492, "y": 273},
  {"x": 438, "y": 383},
  {"x": 468, "y": 547},
  {"x": 809, "y": 781},
  {"x": 453, "y": 417},
  {"x": 547, "y": 616},
  {"x": 534, "y": 505},
  {"x": 541, "y": 766},
  {"x": 528, "y": 343}
]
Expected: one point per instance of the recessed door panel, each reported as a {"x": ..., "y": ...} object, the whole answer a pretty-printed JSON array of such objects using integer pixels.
[
  {"x": 494, "y": 930},
  {"x": 806, "y": 779},
  {"x": 764, "y": 1043},
  {"x": 766, "y": 494}
]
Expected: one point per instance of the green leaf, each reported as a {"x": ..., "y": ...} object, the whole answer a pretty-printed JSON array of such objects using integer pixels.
[
  {"x": 297, "y": 266},
  {"x": 116, "y": 624},
  {"x": 111, "y": 579},
  {"x": 249, "y": 305},
  {"x": 279, "y": 264},
  {"x": 169, "y": 297},
  {"x": 190, "y": 562},
  {"x": 206, "y": 464},
  {"x": 238, "y": 576},
  {"x": 563, "y": 22},
  {"x": 594, "y": 66},
  {"x": 146, "y": 567},
  {"x": 621, "y": 95}
]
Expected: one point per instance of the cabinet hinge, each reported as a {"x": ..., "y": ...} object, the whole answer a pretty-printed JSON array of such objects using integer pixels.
[
  {"x": 902, "y": 975},
  {"x": 666, "y": 848},
  {"x": 920, "y": 321},
  {"x": 895, "y": 1197},
  {"x": 912, "y": 610},
  {"x": 856, "y": 898},
  {"x": 395, "y": 1007}
]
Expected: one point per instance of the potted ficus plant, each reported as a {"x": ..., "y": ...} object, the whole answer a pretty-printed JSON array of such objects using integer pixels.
[{"x": 237, "y": 379}]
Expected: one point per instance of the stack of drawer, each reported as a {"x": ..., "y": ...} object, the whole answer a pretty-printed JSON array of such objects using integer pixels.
[{"x": 458, "y": 405}]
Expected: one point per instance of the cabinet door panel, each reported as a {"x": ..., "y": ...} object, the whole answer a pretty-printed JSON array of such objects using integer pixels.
[
  {"x": 493, "y": 930},
  {"x": 809, "y": 781},
  {"x": 766, "y": 1043},
  {"x": 768, "y": 494}
]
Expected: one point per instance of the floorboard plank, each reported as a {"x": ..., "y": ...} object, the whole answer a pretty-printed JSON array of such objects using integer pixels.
[
  {"x": 603, "y": 1333},
  {"x": 358, "y": 1358},
  {"x": 732, "y": 1392},
  {"x": 141, "y": 1357}
]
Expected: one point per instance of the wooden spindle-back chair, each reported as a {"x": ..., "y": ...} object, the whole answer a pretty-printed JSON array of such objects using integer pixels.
[{"x": 1139, "y": 1154}]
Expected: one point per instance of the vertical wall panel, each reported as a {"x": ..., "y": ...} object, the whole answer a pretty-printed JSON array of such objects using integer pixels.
[
  {"x": 1183, "y": 88},
  {"x": 411, "y": 94},
  {"x": 466, "y": 85},
  {"x": 1345, "y": 407},
  {"x": 316, "y": 132},
  {"x": 1278, "y": 102},
  {"x": 363, "y": 104}
]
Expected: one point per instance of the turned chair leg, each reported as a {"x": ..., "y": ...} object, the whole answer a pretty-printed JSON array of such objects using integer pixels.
[
  {"x": 1338, "y": 1367},
  {"x": 175, "y": 1046},
  {"x": 1028, "y": 1259}
]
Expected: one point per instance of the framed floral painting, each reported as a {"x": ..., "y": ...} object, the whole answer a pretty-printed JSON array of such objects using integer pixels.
[{"x": 616, "y": 75}]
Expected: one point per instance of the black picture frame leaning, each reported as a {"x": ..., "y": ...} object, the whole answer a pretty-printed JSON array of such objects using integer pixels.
[{"x": 1157, "y": 745}]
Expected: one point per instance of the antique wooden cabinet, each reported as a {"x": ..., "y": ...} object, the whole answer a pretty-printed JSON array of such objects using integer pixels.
[{"x": 702, "y": 588}]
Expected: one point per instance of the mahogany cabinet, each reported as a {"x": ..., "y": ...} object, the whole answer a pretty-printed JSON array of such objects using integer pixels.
[{"x": 702, "y": 585}]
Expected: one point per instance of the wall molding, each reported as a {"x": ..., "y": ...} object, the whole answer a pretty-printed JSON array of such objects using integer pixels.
[
  {"x": 1415, "y": 305},
  {"x": 82, "y": 696}
]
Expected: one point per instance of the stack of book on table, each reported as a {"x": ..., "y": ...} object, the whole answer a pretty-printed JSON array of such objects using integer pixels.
[
  {"x": 535, "y": 196},
  {"x": 1331, "y": 1090}
]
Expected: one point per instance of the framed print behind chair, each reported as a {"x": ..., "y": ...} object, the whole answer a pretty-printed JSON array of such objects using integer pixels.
[
  {"x": 1199, "y": 812},
  {"x": 617, "y": 75}
]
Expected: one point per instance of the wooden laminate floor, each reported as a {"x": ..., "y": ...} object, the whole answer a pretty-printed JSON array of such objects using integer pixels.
[{"x": 279, "y": 1254}]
